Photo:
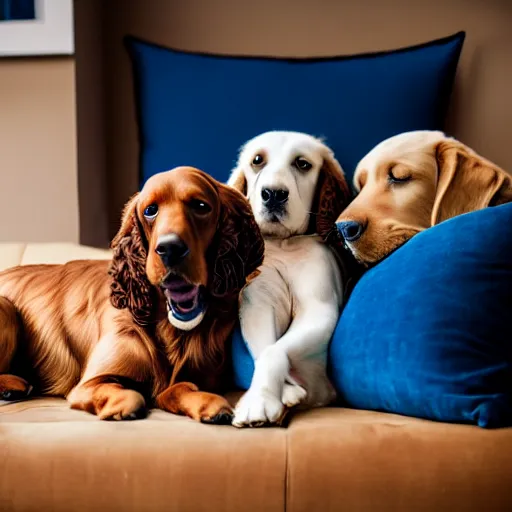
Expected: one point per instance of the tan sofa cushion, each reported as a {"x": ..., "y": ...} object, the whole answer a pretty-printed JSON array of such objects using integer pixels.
[
  {"x": 59, "y": 460},
  {"x": 12, "y": 254},
  {"x": 341, "y": 459},
  {"x": 53, "y": 458}
]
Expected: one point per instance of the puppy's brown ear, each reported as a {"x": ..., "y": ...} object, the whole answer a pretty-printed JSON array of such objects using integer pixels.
[
  {"x": 238, "y": 181},
  {"x": 238, "y": 248},
  {"x": 466, "y": 182},
  {"x": 130, "y": 287},
  {"x": 332, "y": 196}
]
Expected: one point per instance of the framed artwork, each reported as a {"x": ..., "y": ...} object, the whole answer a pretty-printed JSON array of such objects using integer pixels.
[{"x": 36, "y": 27}]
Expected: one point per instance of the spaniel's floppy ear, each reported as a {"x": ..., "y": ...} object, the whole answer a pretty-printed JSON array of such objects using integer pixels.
[
  {"x": 466, "y": 182},
  {"x": 238, "y": 180},
  {"x": 130, "y": 287},
  {"x": 332, "y": 196},
  {"x": 238, "y": 248}
]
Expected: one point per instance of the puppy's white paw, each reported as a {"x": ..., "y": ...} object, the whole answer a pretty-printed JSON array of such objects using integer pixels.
[
  {"x": 293, "y": 394},
  {"x": 258, "y": 408}
]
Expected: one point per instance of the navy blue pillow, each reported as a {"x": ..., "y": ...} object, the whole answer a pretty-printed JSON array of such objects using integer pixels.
[
  {"x": 243, "y": 361},
  {"x": 197, "y": 109},
  {"x": 428, "y": 332}
]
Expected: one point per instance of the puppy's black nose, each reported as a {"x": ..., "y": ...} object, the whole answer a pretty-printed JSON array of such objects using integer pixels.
[
  {"x": 350, "y": 230},
  {"x": 274, "y": 198},
  {"x": 171, "y": 249}
]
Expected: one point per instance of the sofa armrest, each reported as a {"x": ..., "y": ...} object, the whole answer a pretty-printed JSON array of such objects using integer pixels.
[{"x": 12, "y": 254}]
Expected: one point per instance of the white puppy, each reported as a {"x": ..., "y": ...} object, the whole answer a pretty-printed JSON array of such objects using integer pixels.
[{"x": 289, "y": 311}]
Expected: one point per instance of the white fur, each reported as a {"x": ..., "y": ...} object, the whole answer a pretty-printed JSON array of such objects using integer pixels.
[
  {"x": 289, "y": 311},
  {"x": 280, "y": 150}
]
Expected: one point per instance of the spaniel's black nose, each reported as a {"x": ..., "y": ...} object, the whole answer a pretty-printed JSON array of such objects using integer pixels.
[
  {"x": 171, "y": 249},
  {"x": 274, "y": 198},
  {"x": 350, "y": 230}
]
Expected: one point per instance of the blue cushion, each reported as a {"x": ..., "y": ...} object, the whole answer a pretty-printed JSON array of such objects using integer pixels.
[
  {"x": 197, "y": 109},
  {"x": 243, "y": 362},
  {"x": 428, "y": 331}
]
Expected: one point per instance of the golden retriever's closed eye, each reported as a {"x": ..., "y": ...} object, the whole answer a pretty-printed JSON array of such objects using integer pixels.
[{"x": 412, "y": 181}]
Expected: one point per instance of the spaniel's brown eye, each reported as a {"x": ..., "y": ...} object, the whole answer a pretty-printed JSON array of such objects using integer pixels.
[
  {"x": 151, "y": 211},
  {"x": 200, "y": 206},
  {"x": 258, "y": 161},
  {"x": 302, "y": 164},
  {"x": 398, "y": 179}
]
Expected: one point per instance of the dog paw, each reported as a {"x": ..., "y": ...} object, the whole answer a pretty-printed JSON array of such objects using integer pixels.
[
  {"x": 215, "y": 410},
  {"x": 222, "y": 418},
  {"x": 125, "y": 404},
  {"x": 139, "y": 414},
  {"x": 257, "y": 409},
  {"x": 293, "y": 395},
  {"x": 14, "y": 388},
  {"x": 209, "y": 408}
]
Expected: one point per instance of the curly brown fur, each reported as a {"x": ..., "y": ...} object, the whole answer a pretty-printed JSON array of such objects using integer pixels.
[
  {"x": 130, "y": 286},
  {"x": 238, "y": 253}
]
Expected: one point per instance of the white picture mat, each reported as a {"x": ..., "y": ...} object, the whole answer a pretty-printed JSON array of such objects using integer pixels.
[{"x": 51, "y": 33}]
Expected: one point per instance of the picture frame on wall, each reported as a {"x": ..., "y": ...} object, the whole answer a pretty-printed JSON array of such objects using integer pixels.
[{"x": 36, "y": 27}]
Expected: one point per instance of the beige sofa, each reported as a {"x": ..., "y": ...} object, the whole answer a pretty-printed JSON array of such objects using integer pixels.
[{"x": 55, "y": 459}]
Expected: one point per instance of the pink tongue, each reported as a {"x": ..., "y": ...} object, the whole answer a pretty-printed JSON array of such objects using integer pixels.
[{"x": 183, "y": 294}]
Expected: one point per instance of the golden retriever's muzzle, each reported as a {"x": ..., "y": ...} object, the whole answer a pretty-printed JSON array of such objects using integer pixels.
[{"x": 370, "y": 248}]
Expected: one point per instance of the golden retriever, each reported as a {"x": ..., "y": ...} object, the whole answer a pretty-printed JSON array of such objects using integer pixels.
[{"x": 410, "y": 182}]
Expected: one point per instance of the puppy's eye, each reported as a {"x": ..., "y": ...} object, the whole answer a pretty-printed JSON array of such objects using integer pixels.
[
  {"x": 302, "y": 164},
  {"x": 151, "y": 211},
  {"x": 258, "y": 161},
  {"x": 200, "y": 206},
  {"x": 398, "y": 179}
]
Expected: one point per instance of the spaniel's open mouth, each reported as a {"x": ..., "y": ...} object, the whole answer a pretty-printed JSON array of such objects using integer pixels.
[{"x": 184, "y": 301}]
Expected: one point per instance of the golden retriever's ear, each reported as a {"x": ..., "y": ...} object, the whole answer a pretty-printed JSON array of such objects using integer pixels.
[
  {"x": 466, "y": 182},
  {"x": 332, "y": 196},
  {"x": 237, "y": 180},
  {"x": 130, "y": 287}
]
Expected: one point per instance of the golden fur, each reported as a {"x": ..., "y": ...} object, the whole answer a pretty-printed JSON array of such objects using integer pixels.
[
  {"x": 441, "y": 178},
  {"x": 97, "y": 332}
]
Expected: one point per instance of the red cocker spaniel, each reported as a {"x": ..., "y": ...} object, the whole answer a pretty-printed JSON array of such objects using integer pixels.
[{"x": 147, "y": 329}]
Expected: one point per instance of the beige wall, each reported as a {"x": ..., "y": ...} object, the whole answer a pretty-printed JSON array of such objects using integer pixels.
[{"x": 38, "y": 171}]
